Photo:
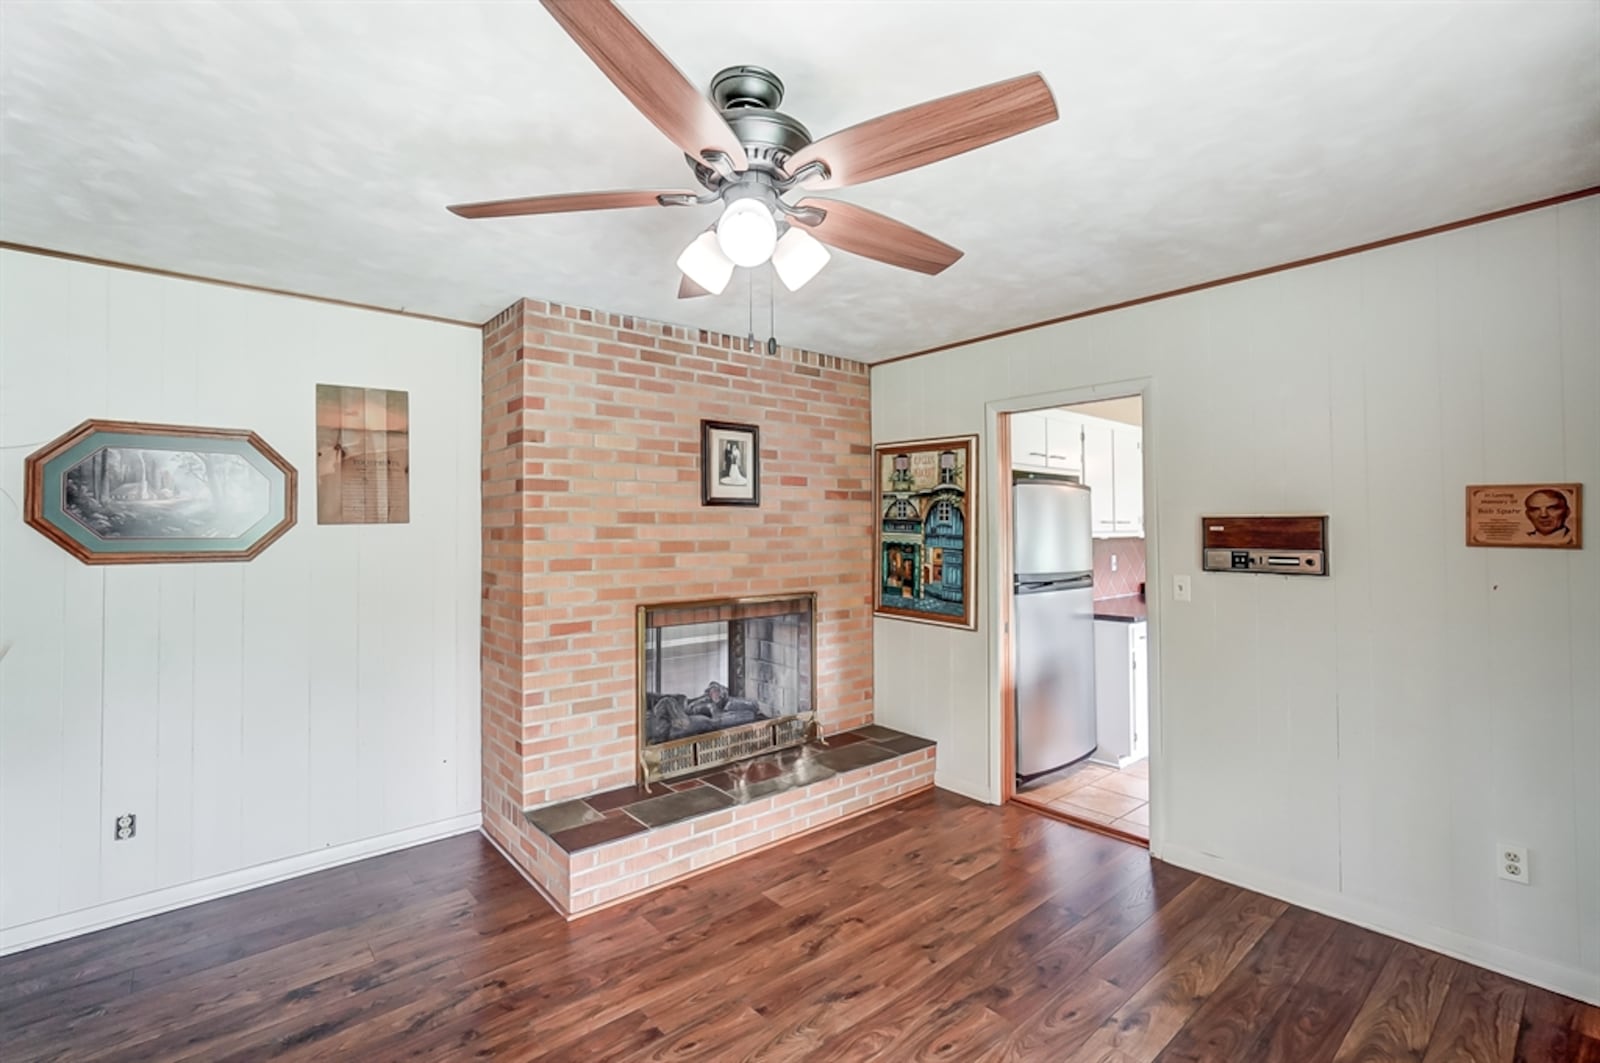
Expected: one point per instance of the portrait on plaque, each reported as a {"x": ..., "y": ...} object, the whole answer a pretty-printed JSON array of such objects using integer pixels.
[{"x": 1540, "y": 516}]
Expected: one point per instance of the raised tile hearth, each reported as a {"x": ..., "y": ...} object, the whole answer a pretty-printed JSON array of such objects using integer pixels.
[
  {"x": 582, "y": 824},
  {"x": 598, "y": 849}
]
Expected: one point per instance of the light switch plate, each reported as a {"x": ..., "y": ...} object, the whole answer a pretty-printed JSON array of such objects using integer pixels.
[{"x": 1180, "y": 588}]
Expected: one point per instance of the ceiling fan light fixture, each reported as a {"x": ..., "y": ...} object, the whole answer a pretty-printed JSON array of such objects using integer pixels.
[
  {"x": 704, "y": 263},
  {"x": 798, "y": 257},
  {"x": 747, "y": 232}
]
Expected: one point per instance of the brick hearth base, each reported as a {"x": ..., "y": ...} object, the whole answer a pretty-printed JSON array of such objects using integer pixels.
[{"x": 587, "y": 854}]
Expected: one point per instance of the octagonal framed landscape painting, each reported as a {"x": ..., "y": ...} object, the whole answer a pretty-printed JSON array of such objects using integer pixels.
[{"x": 123, "y": 492}]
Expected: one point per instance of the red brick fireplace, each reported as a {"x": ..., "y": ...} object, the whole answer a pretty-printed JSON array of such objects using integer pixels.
[{"x": 591, "y": 507}]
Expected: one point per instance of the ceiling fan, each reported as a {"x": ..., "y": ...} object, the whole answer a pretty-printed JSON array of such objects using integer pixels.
[{"x": 749, "y": 156}]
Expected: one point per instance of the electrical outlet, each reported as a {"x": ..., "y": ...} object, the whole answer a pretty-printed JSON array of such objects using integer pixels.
[
  {"x": 1180, "y": 588},
  {"x": 1113, "y": 562},
  {"x": 125, "y": 826},
  {"x": 1513, "y": 861}
]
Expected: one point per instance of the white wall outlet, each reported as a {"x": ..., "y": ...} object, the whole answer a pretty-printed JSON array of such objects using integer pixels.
[
  {"x": 1113, "y": 562},
  {"x": 1513, "y": 861},
  {"x": 1180, "y": 588}
]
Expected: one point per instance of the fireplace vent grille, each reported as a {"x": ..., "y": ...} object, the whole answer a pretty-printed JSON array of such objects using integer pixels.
[{"x": 668, "y": 761}]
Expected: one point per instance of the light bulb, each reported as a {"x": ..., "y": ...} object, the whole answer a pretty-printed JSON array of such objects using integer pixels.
[
  {"x": 798, "y": 257},
  {"x": 747, "y": 232},
  {"x": 704, "y": 263}
]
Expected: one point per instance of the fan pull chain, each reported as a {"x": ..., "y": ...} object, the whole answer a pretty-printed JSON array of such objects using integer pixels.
[{"x": 750, "y": 290}]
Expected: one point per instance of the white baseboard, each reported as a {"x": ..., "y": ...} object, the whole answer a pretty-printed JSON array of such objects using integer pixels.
[
  {"x": 98, "y": 917},
  {"x": 1119, "y": 762},
  {"x": 1556, "y": 977}
]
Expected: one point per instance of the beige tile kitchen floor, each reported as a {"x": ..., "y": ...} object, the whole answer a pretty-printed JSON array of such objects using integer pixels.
[{"x": 1097, "y": 793}]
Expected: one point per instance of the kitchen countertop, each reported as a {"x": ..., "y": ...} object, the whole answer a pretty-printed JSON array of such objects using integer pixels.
[{"x": 1129, "y": 610}]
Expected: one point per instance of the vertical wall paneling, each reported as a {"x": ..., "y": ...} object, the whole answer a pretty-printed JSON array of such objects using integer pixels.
[
  {"x": 438, "y": 752},
  {"x": 130, "y": 724},
  {"x": 1530, "y": 657},
  {"x": 384, "y": 702},
  {"x": 32, "y": 675},
  {"x": 334, "y": 648},
  {"x": 33, "y": 678},
  {"x": 376, "y": 651},
  {"x": 217, "y": 763},
  {"x": 254, "y": 715},
  {"x": 1359, "y": 744},
  {"x": 431, "y": 731},
  {"x": 465, "y": 567},
  {"x": 1579, "y": 277},
  {"x": 171, "y": 821},
  {"x": 81, "y": 816},
  {"x": 1405, "y": 498},
  {"x": 1470, "y": 742},
  {"x": 274, "y": 725}
]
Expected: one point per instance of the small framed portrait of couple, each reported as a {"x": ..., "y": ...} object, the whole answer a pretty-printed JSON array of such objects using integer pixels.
[
  {"x": 730, "y": 464},
  {"x": 1541, "y": 516}
]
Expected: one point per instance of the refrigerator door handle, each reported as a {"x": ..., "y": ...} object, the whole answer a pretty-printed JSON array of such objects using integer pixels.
[{"x": 1051, "y": 581}]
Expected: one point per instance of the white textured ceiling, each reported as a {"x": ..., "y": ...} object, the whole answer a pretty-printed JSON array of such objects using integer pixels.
[{"x": 312, "y": 146}]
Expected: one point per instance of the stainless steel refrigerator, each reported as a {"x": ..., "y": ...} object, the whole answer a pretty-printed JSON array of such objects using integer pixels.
[{"x": 1053, "y": 623}]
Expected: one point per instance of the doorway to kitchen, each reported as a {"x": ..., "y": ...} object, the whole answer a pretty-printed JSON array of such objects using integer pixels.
[{"x": 1078, "y": 646}]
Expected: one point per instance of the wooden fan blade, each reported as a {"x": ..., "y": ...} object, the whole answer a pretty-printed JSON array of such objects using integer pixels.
[
  {"x": 506, "y": 208},
  {"x": 688, "y": 289},
  {"x": 872, "y": 235},
  {"x": 929, "y": 132},
  {"x": 647, "y": 77}
]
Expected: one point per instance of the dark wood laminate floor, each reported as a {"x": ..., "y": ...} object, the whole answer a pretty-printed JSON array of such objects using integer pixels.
[{"x": 935, "y": 929}]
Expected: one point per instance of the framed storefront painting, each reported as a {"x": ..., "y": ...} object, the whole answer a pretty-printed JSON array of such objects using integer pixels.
[{"x": 925, "y": 497}]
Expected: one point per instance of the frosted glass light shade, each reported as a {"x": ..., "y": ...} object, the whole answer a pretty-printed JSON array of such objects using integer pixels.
[
  {"x": 798, "y": 257},
  {"x": 704, "y": 263},
  {"x": 747, "y": 232}
]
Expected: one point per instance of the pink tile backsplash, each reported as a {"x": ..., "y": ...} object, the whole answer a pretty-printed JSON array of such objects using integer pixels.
[{"x": 1130, "y": 567}]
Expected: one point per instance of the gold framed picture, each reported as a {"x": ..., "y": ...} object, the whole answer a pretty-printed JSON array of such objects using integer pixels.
[{"x": 926, "y": 512}]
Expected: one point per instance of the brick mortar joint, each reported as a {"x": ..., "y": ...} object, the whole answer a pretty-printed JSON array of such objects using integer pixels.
[{"x": 555, "y": 319}]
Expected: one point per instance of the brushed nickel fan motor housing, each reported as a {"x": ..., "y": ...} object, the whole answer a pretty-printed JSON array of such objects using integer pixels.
[{"x": 748, "y": 97}]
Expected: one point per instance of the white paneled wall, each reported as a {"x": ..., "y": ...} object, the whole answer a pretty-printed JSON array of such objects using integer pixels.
[
  {"x": 262, "y": 718},
  {"x": 1360, "y": 744}
]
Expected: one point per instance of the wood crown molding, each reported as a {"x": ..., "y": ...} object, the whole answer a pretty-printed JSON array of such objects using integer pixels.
[
  {"x": 28, "y": 249},
  {"x": 1477, "y": 219}
]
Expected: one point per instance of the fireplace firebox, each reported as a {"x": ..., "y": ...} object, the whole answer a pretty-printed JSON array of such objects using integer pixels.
[{"x": 723, "y": 680}]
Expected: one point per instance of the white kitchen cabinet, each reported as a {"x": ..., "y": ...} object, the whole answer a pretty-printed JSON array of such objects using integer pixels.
[
  {"x": 1105, "y": 455},
  {"x": 1099, "y": 473},
  {"x": 1030, "y": 447},
  {"x": 1113, "y": 467},
  {"x": 1127, "y": 472},
  {"x": 1044, "y": 441},
  {"x": 1121, "y": 691},
  {"x": 1063, "y": 434}
]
